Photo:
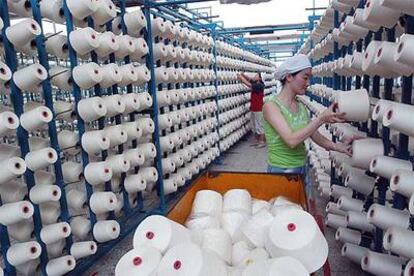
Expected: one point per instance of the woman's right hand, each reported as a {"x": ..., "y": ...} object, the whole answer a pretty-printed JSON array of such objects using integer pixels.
[{"x": 331, "y": 117}]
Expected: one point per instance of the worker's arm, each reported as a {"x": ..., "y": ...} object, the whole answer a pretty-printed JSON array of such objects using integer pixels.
[
  {"x": 243, "y": 79},
  {"x": 327, "y": 144},
  {"x": 274, "y": 117}
]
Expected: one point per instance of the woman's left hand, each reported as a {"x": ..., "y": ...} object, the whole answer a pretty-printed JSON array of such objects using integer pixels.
[{"x": 339, "y": 147}]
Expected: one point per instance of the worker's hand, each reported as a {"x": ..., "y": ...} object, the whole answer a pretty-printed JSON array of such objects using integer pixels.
[
  {"x": 339, "y": 147},
  {"x": 350, "y": 139},
  {"x": 331, "y": 117}
]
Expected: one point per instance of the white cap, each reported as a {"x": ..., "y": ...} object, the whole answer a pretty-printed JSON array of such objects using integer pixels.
[{"x": 293, "y": 64}]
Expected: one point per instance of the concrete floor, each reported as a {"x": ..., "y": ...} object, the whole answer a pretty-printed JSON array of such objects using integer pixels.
[{"x": 243, "y": 158}]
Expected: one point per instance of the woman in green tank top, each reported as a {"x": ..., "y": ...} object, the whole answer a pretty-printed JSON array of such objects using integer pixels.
[{"x": 286, "y": 121}]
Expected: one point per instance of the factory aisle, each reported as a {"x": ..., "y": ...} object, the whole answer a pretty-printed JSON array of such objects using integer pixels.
[{"x": 242, "y": 157}]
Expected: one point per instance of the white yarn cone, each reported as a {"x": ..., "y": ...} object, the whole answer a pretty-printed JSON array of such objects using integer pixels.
[
  {"x": 55, "y": 232},
  {"x": 256, "y": 228},
  {"x": 394, "y": 118},
  {"x": 335, "y": 221},
  {"x": 145, "y": 100},
  {"x": 385, "y": 166},
  {"x": 400, "y": 182},
  {"x": 94, "y": 142},
  {"x": 61, "y": 265},
  {"x": 295, "y": 233},
  {"x": 105, "y": 12},
  {"x": 129, "y": 75},
  {"x": 385, "y": 217},
  {"x": 148, "y": 150},
  {"x": 112, "y": 75},
  {"x": 80, "y": 10},
  {"x": 118, "y": 163},
  {"x": 5, "y": 73},
  {"x": 23, "y": 32},
  {"x": 11, "y": 168},
  {"x": 83, "y": 41},
  {"x": 359, "y": 109},
  {"x": 76, "y": 199},
  {"x": 143, "y": 76},
  {"x": 102, "y": 202},
  {"x": 207, "y": 203},
  {"x": 237, "y": 200},
  {"x": 83, "y": 249},
  {"x": 190, "y": 259},
  {"x": 161, "y": 233},
  {"x": 399, "y": 241},
  {"x": 36, "y": 118},
  {"x": 67, "y": 139},
  {"x": 114, "y": 105},
  {"x": 44, "y": 193},
  {"x": 379, "y": 110},
  {"x": 40, "y": 159},
  {"x": 402, "y": 54},
  {"x": 157, "y": 26},
  {"x": 134, "y": 183},
  {"x": 87, "y": 75},
  {"x": 219, "y": 242},
  {"x": 64, "y": 110},
  {"x": 20, "y": 253},
  {"x": 135, "y": 21},
  {"x": 348, "y": 235},
  {"x": 170, "y": 186},
  {"x": 116, "y": 135},
  {"x": 360, "y": 21},
  {"x": 106, "y": 230},
  {"x": 364, "y": 150},
  {"x": 144, "y": 260},
  {"x": 375, "y": 13},
  {"x": 133, "y": 130},
  {"x": 57, "y": 45},
  {"x": 385, "y": 58},
  {"x": 80, "y": 227},
  {"x": 126, "y": 46},
  {"x": 409, "y": 268},
  {"x": 108, "y": 44},
  {"x": 338, "y": 191},
  {"x": 350, "y": 204},
  {"x": 132, "y": 103},
  {"x": 29, "y": 78},
  {"x": 49, "y": 212},
  {"x": 12, "y": 191},
  {"x": 141, "y": 49},
  {"x": 97, "y": 173},
  {"x": 135, "y": 157},
  {"x": 360, "y": 182},
  {"x": 381, "y": 264},
  {"x": 353, "y": 252}
]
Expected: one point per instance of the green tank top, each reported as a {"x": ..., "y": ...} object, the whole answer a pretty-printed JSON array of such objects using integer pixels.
[{"x": 279, "y": 153}]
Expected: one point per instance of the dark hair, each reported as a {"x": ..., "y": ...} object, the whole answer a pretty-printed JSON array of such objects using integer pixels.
[
  {"x": 293, "y": 74},
  {"x": 260, "y": 75}
]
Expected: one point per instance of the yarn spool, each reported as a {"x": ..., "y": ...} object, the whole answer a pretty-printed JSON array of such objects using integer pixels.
[
  {"x": 30, "y": 77},
  {"x": 126, "y": 46},
  {"x": 97, "y": 173},
  {"x": 80, "y": 10},
  {"x": 133, "y": 131},
  {"x": 135, "y": 157},
  {"x": 116, "y": 134},
  {"x": 132, "y": 103},
  {"x": 112, "y": 75},
  {"x": 91, "y": 109},
  {"x": 105, "y": 12},
  {"x": 87, "y": 75},
  {"x": 134, "y": 183},
  {"x": 20, "y": 253},
  {"x": 108, "y": 44},
  {"x": 11, "y": 168},
  {"x": 118, "y": 163},
  {"x": 83, "y": 249},
  {"x": 23, "y": 32},
  {"x": 57, "y": 45},
  {"x": 44, "y": 193},
  {"x": 40, "y": 159},
  {"x": 54, "y": 232},
  {"x": 102, "y": 202},
  {"x": 61, "y": 265},
  {"x": 72, "y": 172},
  {"x": 114, "y": 105},
  {"x": 135, "y": 21},
  {"x": 83, "y": 41},
  {"x": 80, "y": 227},
  {"x": 94, "y": 141},
  {"x": 106, "y": 230}
]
